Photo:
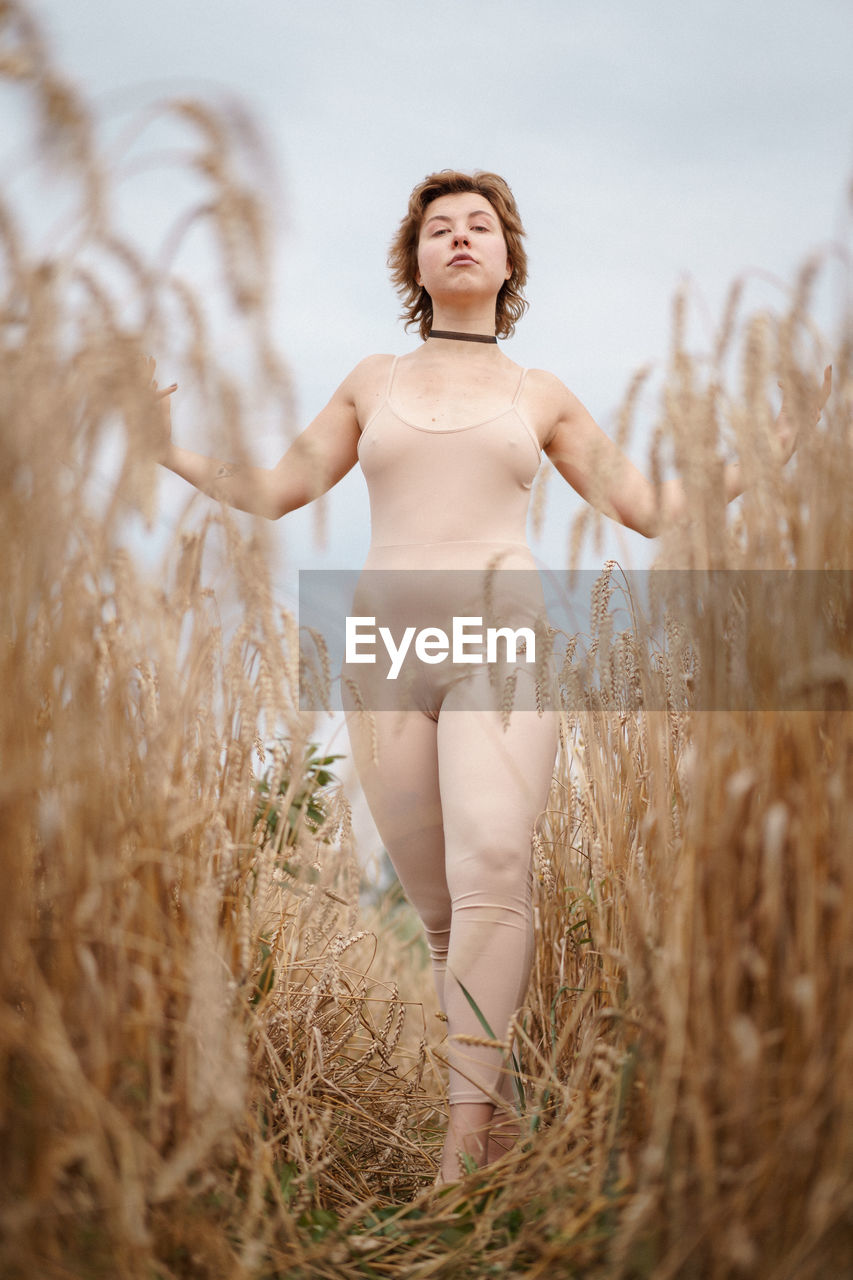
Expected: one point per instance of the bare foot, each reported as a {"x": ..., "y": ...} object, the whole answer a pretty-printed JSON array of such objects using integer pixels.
[{"x": 504, "y": 1133}]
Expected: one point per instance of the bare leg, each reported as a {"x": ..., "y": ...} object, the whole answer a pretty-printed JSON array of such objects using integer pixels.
[
  {"x": 505, "y": 1129},
  {"x": 467, "y": 1136}
]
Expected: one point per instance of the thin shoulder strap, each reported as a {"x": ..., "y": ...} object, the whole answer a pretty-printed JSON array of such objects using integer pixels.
[
  {"x": 385, "y": 397},
  {"x": 391, "y": 373},
  {"x": 522, "y": 417}
]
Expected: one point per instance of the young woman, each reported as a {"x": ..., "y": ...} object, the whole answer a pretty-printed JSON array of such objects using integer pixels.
[{"x": 449, "y": 437}]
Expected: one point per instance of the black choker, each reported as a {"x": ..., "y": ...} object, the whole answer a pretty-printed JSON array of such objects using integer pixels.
[{"x": 463, "y": 337}]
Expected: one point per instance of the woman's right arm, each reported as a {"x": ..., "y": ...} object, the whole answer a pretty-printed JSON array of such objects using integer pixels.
[{"x": 318, "y": 458}]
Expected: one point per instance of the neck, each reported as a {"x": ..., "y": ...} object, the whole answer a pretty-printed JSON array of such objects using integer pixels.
[{"x": 464, "y": 315}]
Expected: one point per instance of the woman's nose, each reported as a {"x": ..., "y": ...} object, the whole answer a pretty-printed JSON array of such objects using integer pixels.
[{"x": 460, "y": 237}]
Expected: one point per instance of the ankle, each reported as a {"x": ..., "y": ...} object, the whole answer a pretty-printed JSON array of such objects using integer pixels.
[
  {"x": 467, "y": 1140},
  {"x": 504, "y": 1133}
]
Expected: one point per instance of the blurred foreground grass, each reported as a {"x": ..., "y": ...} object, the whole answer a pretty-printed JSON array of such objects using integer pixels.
[{"x": 215, "y": 1061}]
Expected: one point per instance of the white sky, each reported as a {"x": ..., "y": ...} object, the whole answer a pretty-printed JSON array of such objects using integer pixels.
[{"x": 646, "y": 141}]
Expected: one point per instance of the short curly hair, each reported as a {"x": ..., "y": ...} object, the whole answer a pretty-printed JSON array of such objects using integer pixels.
[{"x": 403, "y": 254}]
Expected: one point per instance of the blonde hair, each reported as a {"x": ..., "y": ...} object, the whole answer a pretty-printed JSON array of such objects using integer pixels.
[{"x": 403, "y": 254}]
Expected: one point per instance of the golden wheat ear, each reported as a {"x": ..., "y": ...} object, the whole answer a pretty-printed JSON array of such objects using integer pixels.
[{"x": 220, "y": 1055}]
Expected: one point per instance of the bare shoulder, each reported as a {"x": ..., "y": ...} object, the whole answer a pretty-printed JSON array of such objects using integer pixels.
[
  {"x": 364, "y": 386},
  {"x": 550, "y": 403},
  {"x": 367, "y": 374}
]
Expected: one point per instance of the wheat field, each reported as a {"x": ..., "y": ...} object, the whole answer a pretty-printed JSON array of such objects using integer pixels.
[{"x": 217, "y": 1057}]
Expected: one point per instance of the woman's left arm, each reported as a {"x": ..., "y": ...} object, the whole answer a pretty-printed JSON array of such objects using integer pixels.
[{"x": 593, "y": 464}]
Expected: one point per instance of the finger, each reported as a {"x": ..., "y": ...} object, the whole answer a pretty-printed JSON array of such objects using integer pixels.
[
  {"x": 823, "y": 394},
  {"x": 167, "y": 391}
]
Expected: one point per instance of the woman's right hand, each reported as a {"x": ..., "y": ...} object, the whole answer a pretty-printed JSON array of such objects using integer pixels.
[
  {"x": 164, "y": 412},
  {"x": 318, "y": 458}
]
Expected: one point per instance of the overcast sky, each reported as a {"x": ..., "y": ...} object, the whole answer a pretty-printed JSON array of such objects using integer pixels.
[{"x": 647, "y": 143}]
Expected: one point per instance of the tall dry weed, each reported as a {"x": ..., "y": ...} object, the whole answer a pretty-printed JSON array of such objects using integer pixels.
[
  {"x": 215, "y": 1062},
  {"x": 180, "y": 1032}
]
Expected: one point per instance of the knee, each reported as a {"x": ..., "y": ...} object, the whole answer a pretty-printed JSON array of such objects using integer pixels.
[{"x": 490, "y": 871}]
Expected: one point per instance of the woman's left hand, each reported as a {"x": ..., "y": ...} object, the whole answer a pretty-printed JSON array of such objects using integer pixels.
[{"x": 788, "y": 429}]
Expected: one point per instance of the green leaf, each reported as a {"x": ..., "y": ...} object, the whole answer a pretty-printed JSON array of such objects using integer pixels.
[{"x": 516, "y": 1065}]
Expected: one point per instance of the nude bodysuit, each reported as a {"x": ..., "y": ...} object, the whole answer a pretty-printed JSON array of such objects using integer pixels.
[{"x": 454, "y": 790}]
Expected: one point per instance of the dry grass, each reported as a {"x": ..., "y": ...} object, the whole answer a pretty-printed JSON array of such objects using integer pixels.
[{"x": 208, "y": 1069}]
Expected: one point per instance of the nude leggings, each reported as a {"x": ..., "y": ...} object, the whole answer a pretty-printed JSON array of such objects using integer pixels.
[{"x": 455, "y": 797}]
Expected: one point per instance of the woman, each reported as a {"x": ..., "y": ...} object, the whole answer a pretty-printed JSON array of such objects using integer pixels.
[{"x": 449, "y": 437}]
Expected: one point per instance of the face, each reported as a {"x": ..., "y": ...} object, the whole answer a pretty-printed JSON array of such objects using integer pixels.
[{"x": 462, "y": 246}]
